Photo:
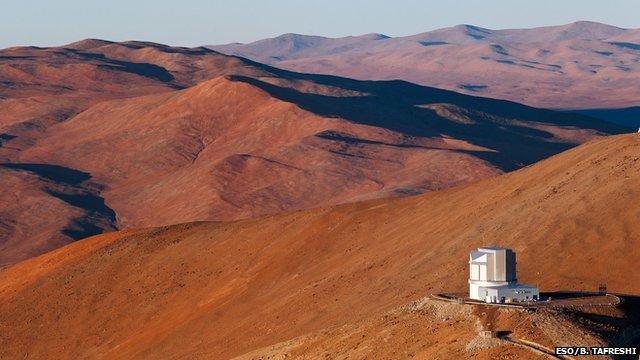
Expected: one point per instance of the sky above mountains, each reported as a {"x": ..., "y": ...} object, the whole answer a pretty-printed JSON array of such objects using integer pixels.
[{"x": 197, "y": 22}]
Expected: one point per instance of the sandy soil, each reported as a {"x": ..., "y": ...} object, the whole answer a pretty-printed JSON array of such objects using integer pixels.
[
  {"x": 163, "y": 135},
  {"x": 222, "y": 290}
]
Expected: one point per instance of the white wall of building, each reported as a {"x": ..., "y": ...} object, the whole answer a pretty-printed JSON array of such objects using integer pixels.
[{"x": 492, "y": 277}]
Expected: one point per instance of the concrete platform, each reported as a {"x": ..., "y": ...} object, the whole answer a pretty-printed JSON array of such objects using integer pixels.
[{"x": 557, "y": 300}]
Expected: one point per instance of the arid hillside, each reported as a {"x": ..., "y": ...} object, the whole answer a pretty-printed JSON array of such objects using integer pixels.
[
  {"x": 310, "y": 282},
  {"x": 551, "y": 67},
  {"x": 45, "y": 86},
  {"x": 43, "y": 206},
  {"x": 141, "y": 134}
]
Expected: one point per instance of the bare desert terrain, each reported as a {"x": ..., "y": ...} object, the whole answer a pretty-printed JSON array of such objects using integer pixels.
[
  {"x": 582, "y": 65},
  {"x": 345, "y": 281},
  {"x": 98, "y": 135}
]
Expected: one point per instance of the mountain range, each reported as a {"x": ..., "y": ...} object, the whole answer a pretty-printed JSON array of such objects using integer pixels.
[
  {"x": 551, "y": 67},
  {"x": 101, "y": 136},
  {"x": 308, "y": 197}
]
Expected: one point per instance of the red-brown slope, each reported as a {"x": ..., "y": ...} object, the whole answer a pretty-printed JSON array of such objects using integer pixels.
[
  {"x": 44, "y": 206},
  {"x": 43, "y": 87},
  {"x": 249, "y": 146},
  {"x": 65, "y": 80},
  {"x": 224, "y": 289},
  {"x": 187, "y": 66},
  {"x": 252, "y": 140},
  {"x": 226, "y": 149}
]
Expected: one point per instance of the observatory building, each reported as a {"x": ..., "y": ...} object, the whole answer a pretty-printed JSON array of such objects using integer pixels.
[{"x": 492, "y": 277}]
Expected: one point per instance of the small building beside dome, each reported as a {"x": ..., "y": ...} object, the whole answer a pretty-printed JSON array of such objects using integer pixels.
[{"x": 492, "y": 277}]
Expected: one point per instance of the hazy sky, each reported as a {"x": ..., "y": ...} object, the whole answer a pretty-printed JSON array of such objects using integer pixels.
[{"x": 197, "y": 22}]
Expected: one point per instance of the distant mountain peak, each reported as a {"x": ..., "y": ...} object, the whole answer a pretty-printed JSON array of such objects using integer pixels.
[
  {"x": 88, "y": 44},
  {"x": 295, "y": 36},
  {"x": 463, "y": 33},
  {"x": 373, "y": 36},
  {"x": 470, "y": 27},
  {"x": 292, "y": 36},
  {"x": 548, "y": 66},
  {"x": 590, "y": 30},
  {"x": 592, "y": 24},
  {"x": 475, "y": 32},
  {"x": 579, "y": 30}
]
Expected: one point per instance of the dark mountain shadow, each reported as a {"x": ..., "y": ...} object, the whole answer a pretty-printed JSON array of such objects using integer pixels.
[
  {"x": 4, "y": 138},
  {"x": 626, "y": 45},
  {"x": 143, "y": 69},
  {"x": 500, "y": 126},
  {"x": 409, "y": 93},
  {"x": 619, "y": 331},
  {"x": 55, "y": 173},
  {"x": 472, "y": 87},
  {"x": 432, "y": 43},
  {"x": 82, "y": 228},
  {"x": 369, "y": 110},
  {"x": 75, "y": 189},
  {"x": 147, "y": 70},
  {"x": 624, "y": 116},
  {"x": 87, "y": 201}
]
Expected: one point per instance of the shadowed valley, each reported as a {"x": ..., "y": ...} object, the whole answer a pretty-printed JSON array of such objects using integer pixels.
[{"x": 171, "y": 135}]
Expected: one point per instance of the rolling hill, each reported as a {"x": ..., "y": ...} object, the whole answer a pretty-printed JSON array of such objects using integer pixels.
[
  {"x": 551, "y": 67},
  {"x": 339, "y": 281},
  {"x": 46, "y": 205},
  {"x": 163, "y": 135}
]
